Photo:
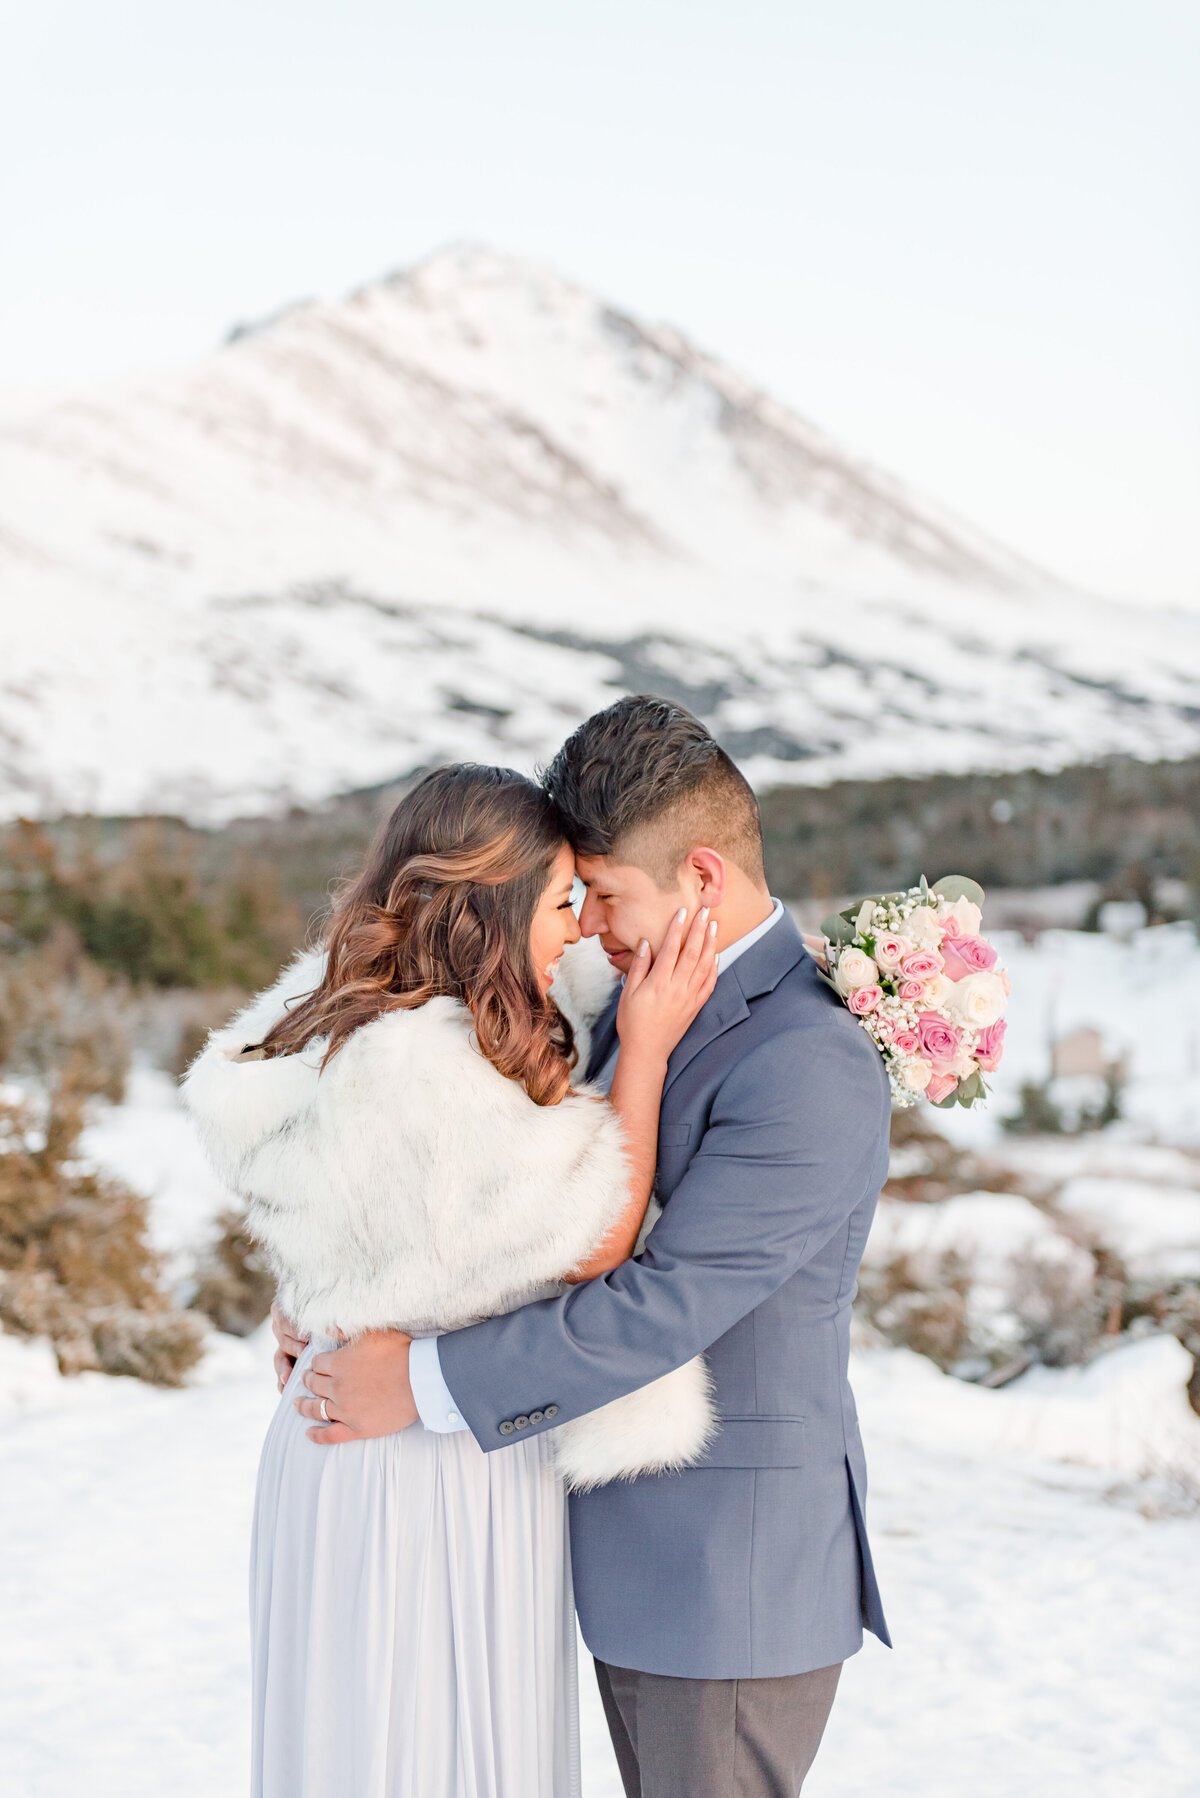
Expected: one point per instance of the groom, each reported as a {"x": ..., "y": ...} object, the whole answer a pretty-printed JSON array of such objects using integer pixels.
[{"x": 719, "y": 1603}]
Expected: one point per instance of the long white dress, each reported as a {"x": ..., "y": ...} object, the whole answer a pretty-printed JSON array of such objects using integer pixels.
[
  {"x": 412, "y": 1615},
  {"x": 412, "y": 1620}
]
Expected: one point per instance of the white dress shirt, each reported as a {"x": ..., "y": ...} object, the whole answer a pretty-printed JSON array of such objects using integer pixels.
[{"x": 431, "y": 1395}]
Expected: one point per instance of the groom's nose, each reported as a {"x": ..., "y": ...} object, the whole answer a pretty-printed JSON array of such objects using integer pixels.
[{"x": 591, "y": 915}]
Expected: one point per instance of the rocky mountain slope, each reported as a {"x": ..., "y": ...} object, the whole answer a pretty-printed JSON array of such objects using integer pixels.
[{"x": 456, "y": 510}]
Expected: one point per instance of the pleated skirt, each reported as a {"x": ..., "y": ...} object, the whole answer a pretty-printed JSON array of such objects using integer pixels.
[{"x": 412, "y": 1625}]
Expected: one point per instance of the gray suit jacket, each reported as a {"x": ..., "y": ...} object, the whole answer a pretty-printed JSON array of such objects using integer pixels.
[{"x": 772, "y": 1148}]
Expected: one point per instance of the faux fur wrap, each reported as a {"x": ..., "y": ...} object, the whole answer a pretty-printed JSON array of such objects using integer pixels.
[{"x": 411, "y": 1185}]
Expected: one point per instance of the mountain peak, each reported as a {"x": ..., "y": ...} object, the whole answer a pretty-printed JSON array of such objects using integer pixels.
[{"x": 449, "y": 513}]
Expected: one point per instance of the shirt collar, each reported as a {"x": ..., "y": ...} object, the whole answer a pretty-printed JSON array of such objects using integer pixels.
[{"x": 729, "y": 955}]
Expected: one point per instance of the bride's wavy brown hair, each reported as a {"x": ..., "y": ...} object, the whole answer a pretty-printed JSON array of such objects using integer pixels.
[{"x": 444, "y": 906}]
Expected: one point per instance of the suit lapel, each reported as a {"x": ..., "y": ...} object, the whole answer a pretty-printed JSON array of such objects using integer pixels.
[
  {"x": 604, "y": 1036},
  {"x": 724, "y": 1009},
  {"x": 758, "y": 971}
]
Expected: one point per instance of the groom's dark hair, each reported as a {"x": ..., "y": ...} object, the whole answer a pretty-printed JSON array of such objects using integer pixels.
[{"x": 644, "y": 781}]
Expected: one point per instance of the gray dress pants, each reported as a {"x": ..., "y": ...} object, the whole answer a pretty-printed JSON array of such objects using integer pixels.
[{"x": 715, "y": 1738}]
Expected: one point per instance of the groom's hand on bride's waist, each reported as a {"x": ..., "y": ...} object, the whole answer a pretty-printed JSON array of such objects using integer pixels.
[{"x": 365, "y": 1389}]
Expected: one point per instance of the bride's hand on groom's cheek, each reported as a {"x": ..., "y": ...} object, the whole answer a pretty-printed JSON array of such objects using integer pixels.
[
  {"x": 663, "y": 993},
  {"x": 365, "y": 1388}
]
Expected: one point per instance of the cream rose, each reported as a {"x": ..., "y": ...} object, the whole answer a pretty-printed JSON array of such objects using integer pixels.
[
  {"x": 922, "y": 929},
  {"x": 890, "y": 950},
  {"x": 854, "y": 969},
  {"x": 935, "y": 992},
  {"x": 966, "y": 914},
  {"x": 916, "y": 1075},
  {"x": 976, "y": 1001}
]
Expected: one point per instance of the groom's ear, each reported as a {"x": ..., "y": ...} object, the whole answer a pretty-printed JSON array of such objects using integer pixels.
[{"x": 706, "y": 867}]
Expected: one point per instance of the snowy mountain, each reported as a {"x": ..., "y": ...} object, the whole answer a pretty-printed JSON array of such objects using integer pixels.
[{"x": 453, "y": 512}]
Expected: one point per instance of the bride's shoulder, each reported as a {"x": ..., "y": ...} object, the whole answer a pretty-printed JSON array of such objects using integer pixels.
[{"x": 437, "y": 1027}]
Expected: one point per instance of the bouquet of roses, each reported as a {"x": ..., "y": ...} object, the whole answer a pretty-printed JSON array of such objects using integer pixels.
[{"x": 917, "y": 975}]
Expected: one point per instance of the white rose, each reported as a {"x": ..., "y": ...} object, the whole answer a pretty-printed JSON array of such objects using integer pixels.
[
  {"x": 937, "y": 991},
  {"x": 969, "y": 916},
  {"x": 916, "y": 1075},
  {"x": 900, "y": 947},
  {"x": 976, "y": 1001},
  {"x": 854, "y": 969},
  {"x": 922, "y": 929}
]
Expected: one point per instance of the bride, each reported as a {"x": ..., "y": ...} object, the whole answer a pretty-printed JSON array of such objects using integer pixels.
[{"x": 398, "y": 1115}]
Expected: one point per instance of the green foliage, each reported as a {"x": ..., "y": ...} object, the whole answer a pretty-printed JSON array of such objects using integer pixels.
[
  {"x": 147, "y": 915},
  {"x": 958, "y": 886},
  {"x": 838, "y": 929}
]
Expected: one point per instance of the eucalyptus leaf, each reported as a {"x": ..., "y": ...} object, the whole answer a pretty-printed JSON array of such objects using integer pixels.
[
  {"x": 838, "y": 929},
  {"x": 831, "y": 984},
  {"x": 959, "y": 886},
  {"x": 970, "y": 1089},
  {"x": 946, "y": 1103}
]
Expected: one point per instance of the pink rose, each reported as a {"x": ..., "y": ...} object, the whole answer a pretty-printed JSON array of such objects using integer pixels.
[
  {"x": 925, "y": 964},
  {"x": 907, "y": 1042},
  {"x": 864, "y": 999},
  {"x": 940, "y": 1087},
  {"x": 989, "y": 1046},
  {"x": 891, "y": 950},
  {"x": 950, "y": 926},
  {"x": 912, "y": 989},
  {"x": 939, "y": 1040},
  {"x": 968, "y": 955}
]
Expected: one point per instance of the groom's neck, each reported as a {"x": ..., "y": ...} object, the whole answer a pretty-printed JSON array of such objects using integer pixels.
[{"x": 744, "y": 907}]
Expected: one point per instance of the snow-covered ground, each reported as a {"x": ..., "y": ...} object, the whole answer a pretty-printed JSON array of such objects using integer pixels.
[
  {"x": 1038, "y": 1545},
  {"x": 1142, "y": 993},
  {"x": 1047, "y": 1632}
]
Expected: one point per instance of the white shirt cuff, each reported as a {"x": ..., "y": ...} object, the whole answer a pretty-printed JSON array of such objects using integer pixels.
[{"x": 431, "y": 1395}]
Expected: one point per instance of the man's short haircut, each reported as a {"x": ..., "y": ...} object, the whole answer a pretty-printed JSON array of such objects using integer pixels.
[{"x": 645, "y": 782}]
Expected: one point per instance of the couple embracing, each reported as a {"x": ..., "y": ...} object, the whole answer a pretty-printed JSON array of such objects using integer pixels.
[{"x": 566, "y": 1235}]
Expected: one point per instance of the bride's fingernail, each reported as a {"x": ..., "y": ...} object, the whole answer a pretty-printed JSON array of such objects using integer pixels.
[
  {"x": 712, "y": 929},
  {"x": 643, "y": 947},
  {"x": 681, "y": 914},
  {"x": 704, "y": 911}
]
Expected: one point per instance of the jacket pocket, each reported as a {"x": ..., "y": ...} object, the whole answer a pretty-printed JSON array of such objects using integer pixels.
[{"x": 758, "y": 1442}]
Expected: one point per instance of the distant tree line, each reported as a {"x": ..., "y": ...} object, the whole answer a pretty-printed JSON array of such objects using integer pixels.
[
  {"x": 161, "y": 903},
  {"x": 1121, "y": 823},
  {"x": 145, "y": 903}
]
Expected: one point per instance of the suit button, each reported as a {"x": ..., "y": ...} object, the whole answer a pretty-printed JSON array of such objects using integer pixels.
[
  {"x": 506, "y": 1429},
  {"x": 521, "y": 1423},
  {"x": 551, "y": 1411},
  {"x": 536, "y": 1416}
]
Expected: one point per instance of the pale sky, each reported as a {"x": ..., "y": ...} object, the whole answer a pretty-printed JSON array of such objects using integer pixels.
[{"x": 960, "y": 235}]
